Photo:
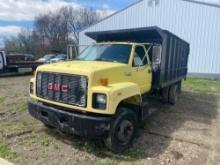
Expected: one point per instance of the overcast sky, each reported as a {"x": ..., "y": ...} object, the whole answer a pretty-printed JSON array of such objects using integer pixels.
[{"x": 17, "y": 14}]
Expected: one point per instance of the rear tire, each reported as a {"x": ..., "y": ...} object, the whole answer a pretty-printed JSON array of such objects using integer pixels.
[
  {"x": 123, "y": 131},
  {"x": 173, "y": 94},
  {"x": 165, "y": 95}
]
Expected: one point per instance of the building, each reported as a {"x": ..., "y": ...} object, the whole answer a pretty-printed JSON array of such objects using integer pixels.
[{"x": 196, "y": 22}]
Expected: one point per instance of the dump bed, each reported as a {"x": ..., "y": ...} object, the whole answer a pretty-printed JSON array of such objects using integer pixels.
[{"x": 174, "y": 56}]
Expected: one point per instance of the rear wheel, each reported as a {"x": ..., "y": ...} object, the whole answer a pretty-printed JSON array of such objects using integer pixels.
[
  {"x": 173, "y": 94},
  {"x": 165, "y": 95},
  {"x": 123, "y": 131}
]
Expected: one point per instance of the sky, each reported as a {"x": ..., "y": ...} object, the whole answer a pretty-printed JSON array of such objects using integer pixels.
[{"x": 18, "y": 14}]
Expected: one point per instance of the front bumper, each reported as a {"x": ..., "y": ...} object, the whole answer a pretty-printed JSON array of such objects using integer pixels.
[{"x": 71, "y": 122}]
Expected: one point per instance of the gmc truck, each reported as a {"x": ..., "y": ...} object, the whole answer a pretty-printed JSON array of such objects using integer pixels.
[{"x": 107, "y": 91}]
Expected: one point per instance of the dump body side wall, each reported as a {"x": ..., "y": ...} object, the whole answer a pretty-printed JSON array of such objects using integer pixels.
[{"x": 174, "y": 61}]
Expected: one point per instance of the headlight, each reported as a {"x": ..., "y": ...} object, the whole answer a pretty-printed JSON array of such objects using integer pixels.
[{"x": 99, "y": 101}]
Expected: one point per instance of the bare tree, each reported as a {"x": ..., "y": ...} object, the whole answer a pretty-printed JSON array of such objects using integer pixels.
[
  {"x": 22, "y": 43},
  {"x": 53, "y": 31},
  {"x": 79, "y": 19}
]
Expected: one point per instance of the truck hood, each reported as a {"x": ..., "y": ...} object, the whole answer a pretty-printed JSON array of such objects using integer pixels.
[{"x": 81, "y": 67}]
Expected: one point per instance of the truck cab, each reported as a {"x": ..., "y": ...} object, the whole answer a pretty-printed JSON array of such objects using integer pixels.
[
  {"x": 137, "y": 68},
  {"x": 102, "y": 92}
]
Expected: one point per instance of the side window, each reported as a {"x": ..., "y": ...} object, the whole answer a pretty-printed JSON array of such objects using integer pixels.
[{"x": 140, "y": 58}]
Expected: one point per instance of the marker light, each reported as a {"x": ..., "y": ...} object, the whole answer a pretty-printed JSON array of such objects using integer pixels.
[{"x": 104, "y": 81}]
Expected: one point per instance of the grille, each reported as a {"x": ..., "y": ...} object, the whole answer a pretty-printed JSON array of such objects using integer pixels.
[{"x": 68, "y": 89}]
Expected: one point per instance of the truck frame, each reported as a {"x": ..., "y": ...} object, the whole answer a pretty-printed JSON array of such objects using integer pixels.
[{"x": 109, "y": 97}]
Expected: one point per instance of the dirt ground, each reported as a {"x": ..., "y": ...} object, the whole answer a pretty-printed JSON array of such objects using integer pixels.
[{"x": 188, "y": 133}]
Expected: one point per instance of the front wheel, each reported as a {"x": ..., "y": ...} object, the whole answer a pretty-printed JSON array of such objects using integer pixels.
[{"x": 123, "y": 131}]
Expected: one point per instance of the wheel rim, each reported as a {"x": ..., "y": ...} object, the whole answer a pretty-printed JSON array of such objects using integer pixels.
[{"x": 125, "y": 131}]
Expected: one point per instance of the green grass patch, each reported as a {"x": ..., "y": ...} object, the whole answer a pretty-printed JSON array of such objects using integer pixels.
[
  {"x": 2, "y": 99},
  {"x": 207, "y": 86},
  {"x": 108, "y": 162},
  {"x": 11, "y": 128},
  {"x": 23, "y": 106},
  {"x": 47, "y": 141},
  {"x": 6, "y": 153}
]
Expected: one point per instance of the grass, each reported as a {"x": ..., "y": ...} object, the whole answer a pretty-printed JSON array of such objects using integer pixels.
[
  {"x": 202, "y": 86},
  {"x": 2, "y": 99},
  {"x": 11, "y": 127},
  {"x": 46, "y": 141},
  {"x": 6, "y": 153},
  {"x": 23, "y": 106},
  {"x": 108, "y": 162}
]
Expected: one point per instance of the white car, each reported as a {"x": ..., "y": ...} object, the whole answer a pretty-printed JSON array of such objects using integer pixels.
[
  {"x": 59, "y": 57},
  {"x": 47, "y": 58}
]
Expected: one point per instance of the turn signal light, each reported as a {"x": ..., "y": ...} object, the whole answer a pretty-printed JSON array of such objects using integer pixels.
[{"x": 104, "y": 81}]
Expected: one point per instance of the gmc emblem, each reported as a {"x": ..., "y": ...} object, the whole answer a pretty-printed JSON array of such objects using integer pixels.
[{"x": 57, "y": 87}]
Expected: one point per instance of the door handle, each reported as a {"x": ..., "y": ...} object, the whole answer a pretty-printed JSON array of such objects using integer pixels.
[{"x": 149, "y": 71}]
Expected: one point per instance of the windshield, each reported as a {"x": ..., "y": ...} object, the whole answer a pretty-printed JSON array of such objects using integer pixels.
[{"x": 106, "y": 52}]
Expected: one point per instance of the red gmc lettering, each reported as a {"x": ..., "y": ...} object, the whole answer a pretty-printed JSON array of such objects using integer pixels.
[
  {"x": 64, "y": 88},
  {"x": 57, "y": 87},
  {"x": 50, "y": 86}
]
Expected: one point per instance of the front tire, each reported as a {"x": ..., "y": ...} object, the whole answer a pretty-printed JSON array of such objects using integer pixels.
[{"x": 123, "y": 131}]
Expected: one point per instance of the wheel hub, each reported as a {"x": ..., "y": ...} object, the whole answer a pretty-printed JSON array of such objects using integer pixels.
[{"x": 125, "y": 131}]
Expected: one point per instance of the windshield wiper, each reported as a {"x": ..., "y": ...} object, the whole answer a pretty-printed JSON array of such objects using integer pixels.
[{"x": 104, "y": 59}]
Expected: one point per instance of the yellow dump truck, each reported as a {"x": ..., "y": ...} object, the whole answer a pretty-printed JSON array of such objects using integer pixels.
[{"x": 107, "y": 90}]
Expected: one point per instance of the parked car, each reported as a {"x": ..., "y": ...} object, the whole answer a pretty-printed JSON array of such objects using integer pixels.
[
  {"x": 111, "y": 87},
  {"x": 47, "y": 58},
  {"x": 59, "y": 57}
]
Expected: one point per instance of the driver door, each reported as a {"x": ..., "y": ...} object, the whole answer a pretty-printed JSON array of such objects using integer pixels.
[{"x": 141, "y": 69}]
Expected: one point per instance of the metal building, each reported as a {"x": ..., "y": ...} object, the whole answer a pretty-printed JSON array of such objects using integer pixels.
[{"x": 196, "y": 22}]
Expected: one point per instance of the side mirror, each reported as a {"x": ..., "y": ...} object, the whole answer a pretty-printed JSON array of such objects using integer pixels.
[{"x": 156, "y": 57}]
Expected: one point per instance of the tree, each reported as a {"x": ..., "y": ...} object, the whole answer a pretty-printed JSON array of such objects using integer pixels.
[
  {"x": 61, "y": 28},
  {"x": 53, "y": 31},
  {"x": 21, "y": 43}
]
